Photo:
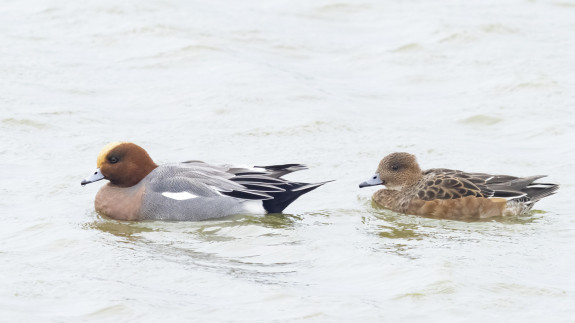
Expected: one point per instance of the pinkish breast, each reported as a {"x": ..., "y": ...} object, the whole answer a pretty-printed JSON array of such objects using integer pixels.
[{"x": 120, "y": 203}]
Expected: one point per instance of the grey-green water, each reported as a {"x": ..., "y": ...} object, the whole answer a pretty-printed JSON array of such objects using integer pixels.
[{"x": 476, "y": 85}]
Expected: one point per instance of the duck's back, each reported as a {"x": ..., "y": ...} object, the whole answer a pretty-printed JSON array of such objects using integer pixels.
[
  {"x": 510, "y": 188},
  {"x": 196, "y": 191},
  {"x": 189, "y": 191}
]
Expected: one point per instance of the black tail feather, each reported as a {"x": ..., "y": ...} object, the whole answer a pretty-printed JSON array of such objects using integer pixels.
[
  {"x": 293, "y": 190},
  {"x": 281, "y": 170},
  {"x": 538, "y": 191}
]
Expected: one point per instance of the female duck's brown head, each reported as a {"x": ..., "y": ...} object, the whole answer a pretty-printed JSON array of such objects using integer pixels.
[
  {"x": 124, "y": 164},
  {"x": 396, "y": 171}
]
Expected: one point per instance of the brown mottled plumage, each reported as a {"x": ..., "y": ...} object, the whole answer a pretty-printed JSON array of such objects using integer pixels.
[{"x": 452, "y": 194}]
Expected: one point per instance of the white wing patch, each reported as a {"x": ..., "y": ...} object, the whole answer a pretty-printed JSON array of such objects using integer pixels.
[
  {"x": 180, "y": 196},
  {"x": 536, "y": 185},
  {"x": 248, "y": 167}
]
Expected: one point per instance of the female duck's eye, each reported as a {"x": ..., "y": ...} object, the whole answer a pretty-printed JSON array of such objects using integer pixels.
[
  {"x": 113, "y": 160},
  {"x": 394, "y": 167}
]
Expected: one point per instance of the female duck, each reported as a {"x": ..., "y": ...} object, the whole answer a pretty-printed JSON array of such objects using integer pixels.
[{"x": 452, "y": 194}]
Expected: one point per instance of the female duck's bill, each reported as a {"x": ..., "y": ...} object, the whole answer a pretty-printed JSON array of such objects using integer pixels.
[{"x": 374, "y": 180}]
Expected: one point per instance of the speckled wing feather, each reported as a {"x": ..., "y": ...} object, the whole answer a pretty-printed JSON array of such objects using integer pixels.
[
  {"x": 444, "y": 184},
  {"x": 456, "y": 184}
]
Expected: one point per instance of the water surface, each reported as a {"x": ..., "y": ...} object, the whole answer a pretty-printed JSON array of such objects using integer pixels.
[{"x": 480, "y": 86}]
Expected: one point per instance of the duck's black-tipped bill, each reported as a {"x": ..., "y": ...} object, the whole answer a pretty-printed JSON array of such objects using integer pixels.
[
  {"x": 374, "y": 180},
  {"x": 93, "y": 178}
]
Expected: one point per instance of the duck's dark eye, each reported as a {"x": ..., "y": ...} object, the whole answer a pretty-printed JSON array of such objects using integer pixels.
[
  {"x": 394, "y": 167},
  {"x": 113, "y": 160}
]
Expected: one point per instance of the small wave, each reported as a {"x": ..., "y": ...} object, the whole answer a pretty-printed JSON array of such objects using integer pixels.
[
  {"x": 343, "y": 8},
  {"x": 411, "y": 47},
  {"x": 540, "y": 84},
  {"x": 481, "y": 120},
  {"x": 499, "y": 29},
  {"x": 459, "y": 37},
  {"x": 24, "y": 123},
  {"x": 310, "y": 128}
]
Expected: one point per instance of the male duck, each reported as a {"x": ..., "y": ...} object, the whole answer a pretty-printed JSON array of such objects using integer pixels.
[
  {"x": 452, "y": 194},
  {"x": 193, "y": 190}
]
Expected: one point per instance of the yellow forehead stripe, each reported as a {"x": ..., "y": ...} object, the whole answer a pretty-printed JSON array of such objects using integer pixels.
[{"x": 102, "y": 156}]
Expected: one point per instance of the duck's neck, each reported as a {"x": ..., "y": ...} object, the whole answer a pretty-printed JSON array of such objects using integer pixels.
[
  {"x": 138, "y": 173},
  {"x": 133, "y": 172}
]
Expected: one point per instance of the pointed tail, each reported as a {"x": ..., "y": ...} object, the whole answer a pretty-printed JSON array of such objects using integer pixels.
[
  {"x": 537, "y": 191},
  {"x": 293, "y": 190}
]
